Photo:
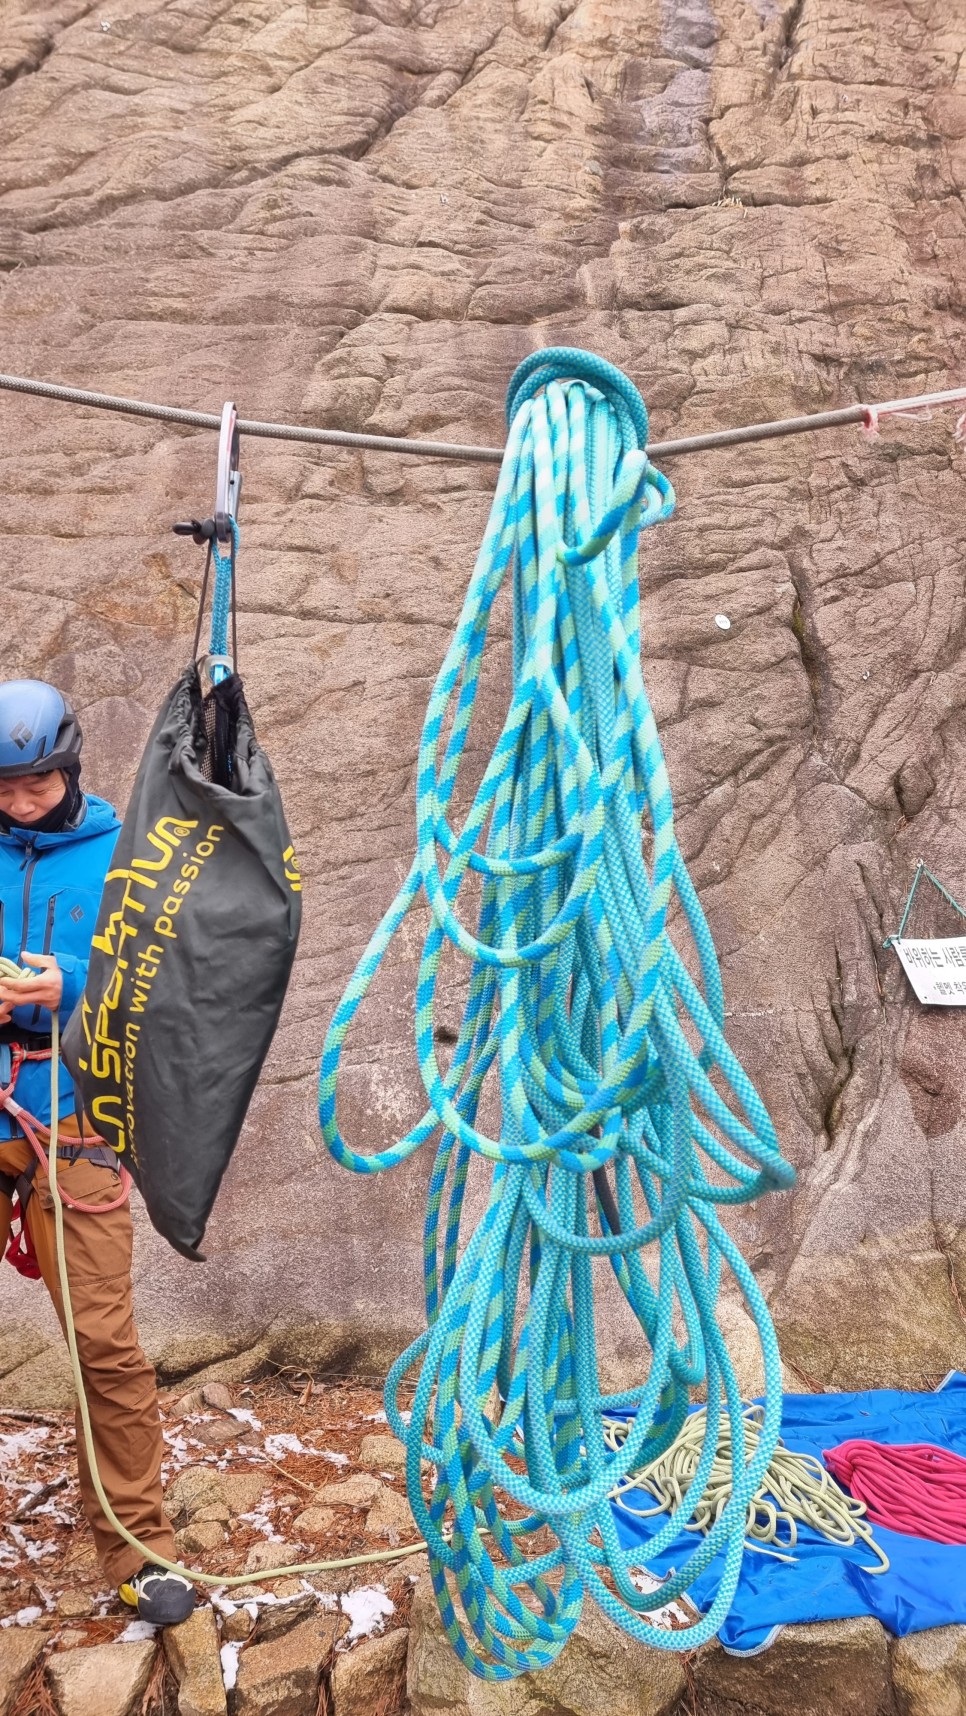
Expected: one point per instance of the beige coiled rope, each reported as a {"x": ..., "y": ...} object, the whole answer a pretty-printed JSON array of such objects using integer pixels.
[{"x": 796, "y": 1489}]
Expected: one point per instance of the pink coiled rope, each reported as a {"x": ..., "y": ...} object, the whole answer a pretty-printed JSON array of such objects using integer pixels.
[{"x": 914, "y": 1488}]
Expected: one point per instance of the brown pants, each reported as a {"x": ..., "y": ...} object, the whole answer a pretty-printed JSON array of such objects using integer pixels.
[{"x": 120, "y": 1384}]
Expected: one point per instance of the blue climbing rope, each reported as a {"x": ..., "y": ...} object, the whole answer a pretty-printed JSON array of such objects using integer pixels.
[
  {"x": 221, "y": 599},
  {"x": 626, "y": 1121}
]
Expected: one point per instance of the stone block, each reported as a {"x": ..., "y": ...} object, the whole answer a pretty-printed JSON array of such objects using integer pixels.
[
  {"x": 102, "y": 1680},
  {"x": 929, "y": 1673},
  {"x": 360, "y": 1490},
  {"x": 193, "y": 1490},
  {"x": 837, "y": 1668},
  {"x": 281, "y": 1677},
  {"x": 19, "y": 1649},
  {"x": 244, "y": 1490},
  {"x": 382, "y": 1453},
  {"x": 600, "y": 1672},
  {"x": 262, "y": 1557},
  {"x": 199, "y": 1536},
  {"x": 391, "y": 1516},
  {"x": 193, "y": 1651},
  {"x": 313, "y": 1522},
  {"x": 372, "y": 1677}
]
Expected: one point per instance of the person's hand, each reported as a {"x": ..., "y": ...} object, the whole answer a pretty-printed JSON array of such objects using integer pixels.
[
  {"x": 44, "y": 990},
  {"x": 6, "y": 1008}
]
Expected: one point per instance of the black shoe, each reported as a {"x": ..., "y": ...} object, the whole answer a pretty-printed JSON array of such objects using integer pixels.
[{"x": 160, "y": 1597}]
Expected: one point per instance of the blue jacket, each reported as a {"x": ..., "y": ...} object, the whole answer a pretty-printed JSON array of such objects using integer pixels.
[{"x": 50, "y": 891}]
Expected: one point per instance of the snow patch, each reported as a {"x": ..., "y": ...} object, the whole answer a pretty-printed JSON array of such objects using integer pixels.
[
  {"x": 262, "y": 1523},
  {"x": 368, "y": 1608},
  {"x": 283, "y": 1442},
  {"x": 135, "y": 1631},
  {"x": 20, "y": 1443},
  {"x": 245, "y": 1416},
  {"x": 33, "y": 1551},
  {"x": 23, "y": 1617},
  {"x": 229, "y": 1664}
]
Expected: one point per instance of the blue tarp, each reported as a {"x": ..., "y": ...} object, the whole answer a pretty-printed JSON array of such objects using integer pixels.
[{"x": 926, "y": 1583}]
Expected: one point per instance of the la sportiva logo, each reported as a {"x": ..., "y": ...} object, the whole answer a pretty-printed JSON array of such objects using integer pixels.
[{"x": 293, "y": 874}]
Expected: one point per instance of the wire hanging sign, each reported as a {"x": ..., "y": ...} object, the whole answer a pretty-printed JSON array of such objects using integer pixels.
[{"x": 935, "y": 967}]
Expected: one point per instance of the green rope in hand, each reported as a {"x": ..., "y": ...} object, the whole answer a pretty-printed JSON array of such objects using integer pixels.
[
  {"x": 11, "y": 972},
  {"x": 610, "y": 1060},
  {"x": 795, "y": 1488}
]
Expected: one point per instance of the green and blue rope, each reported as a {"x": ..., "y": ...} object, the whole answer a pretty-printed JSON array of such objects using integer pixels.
[{"x": 580, "y": 1006}]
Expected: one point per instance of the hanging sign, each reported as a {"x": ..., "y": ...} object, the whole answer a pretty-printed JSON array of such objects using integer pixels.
[{"x": 936, "y": 969}]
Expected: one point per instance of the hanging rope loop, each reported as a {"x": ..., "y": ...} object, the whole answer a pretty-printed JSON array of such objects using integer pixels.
[{"x": 625, "y": 1120}]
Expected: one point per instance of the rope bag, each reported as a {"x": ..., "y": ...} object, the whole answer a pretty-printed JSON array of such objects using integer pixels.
[{"x": 626, "y": 1121}]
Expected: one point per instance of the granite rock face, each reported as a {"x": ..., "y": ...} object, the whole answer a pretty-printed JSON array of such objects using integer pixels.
[{"x": 364, "y": 214}]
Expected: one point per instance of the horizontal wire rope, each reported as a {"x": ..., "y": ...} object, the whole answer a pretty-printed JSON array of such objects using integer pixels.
[
  {"x": 842, "y": 417},
  {"x": 610, "y": 1059}
]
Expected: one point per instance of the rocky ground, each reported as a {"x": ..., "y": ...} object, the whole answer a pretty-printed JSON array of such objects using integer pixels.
[
  {"x": 256, "y": 1477},
  {"x": 287, "y": 1470},
  {"x": 364, "y": 214}
]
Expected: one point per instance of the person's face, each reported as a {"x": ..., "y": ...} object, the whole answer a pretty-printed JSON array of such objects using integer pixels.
[{"x": 27, "y": 798}]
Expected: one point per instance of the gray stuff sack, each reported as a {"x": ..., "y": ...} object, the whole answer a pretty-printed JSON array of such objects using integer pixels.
[{"x": 191, "y": 957}]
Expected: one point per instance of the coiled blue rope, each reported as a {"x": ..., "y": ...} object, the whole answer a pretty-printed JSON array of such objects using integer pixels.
[{"x": 610, "y": 1060}]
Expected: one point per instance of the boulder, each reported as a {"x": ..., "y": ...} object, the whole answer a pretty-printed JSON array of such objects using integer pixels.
[
  {"x": 193, "y": 1491},
  {"x": 218, "y": 1395},
  {"x": 188, "y": 1403},
  {"x": 412, "y": 1567},
  {"x": 599, "y": 1672},
  {"x": 282, "y": 1676},
  {"x": 281, "y": 1616},
  {"x": 371, "y": 1677},
  {"x": 360, "y": 1490},
  {"x": 929, "y": 1673},
  {"x": 243, "y": 1490},
  {"x": 20, "y": 1648},
  {"x": 313, "y": 1522},
  {"x": 838, "y": 1668},
  {"x": 381, "y": 1453},
  {"x": 193, "y": 1651},
  {"x": 262, "y": 1557},
  {"x": 218, "y": 1432},
  {"x": 391, "y": 1516},
  {"x": 75, "y": 1605},
  {"x": 237, "y": 1627},
  {"x": 102, "y": 1680},
  {"x": 199, "y": 1536}
]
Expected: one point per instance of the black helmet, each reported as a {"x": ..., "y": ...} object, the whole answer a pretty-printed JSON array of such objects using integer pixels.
[{"x": 38, "y": 730}]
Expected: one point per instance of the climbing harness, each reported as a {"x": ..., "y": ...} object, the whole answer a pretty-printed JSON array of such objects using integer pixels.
[
  {"x": 622, "y": 1106},
  {"x": 796, "y": 1489},
  {"x": 19, "y": 1188}
]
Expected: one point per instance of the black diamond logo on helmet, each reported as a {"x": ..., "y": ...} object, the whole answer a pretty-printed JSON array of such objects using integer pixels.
[
  {"x": 77, "y": 914},
  {"x": 21, "y": 736}
]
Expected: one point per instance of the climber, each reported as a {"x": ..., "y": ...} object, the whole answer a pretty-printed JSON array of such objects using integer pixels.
[{"x": 56, "y": 844}]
